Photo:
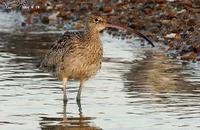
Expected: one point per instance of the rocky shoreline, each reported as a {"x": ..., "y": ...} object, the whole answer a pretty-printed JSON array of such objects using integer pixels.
[{"x": 175, "y": 23}]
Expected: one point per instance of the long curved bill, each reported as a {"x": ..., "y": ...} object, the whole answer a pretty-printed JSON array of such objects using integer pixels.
[
  {"x": 115, "y": 26},
  {"x": 131, "y": 30}
]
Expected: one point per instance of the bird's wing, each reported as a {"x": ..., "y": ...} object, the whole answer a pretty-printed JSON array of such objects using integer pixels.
[{"x": 61, "y": 48}]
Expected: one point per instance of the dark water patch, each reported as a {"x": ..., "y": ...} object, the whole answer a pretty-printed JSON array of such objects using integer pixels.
[{"x": 6, "y": 122}]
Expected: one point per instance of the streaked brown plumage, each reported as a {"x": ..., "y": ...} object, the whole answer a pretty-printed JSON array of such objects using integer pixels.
[{"x": 77, "y": 55}]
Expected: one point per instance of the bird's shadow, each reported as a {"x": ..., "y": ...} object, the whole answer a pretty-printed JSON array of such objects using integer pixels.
[{"x": 68, "y": 123}]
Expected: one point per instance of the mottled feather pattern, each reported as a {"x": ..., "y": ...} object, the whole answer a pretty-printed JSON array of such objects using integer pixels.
[
  {"x": 75, "y": 55},
  {"x": 61, "y": 48}
]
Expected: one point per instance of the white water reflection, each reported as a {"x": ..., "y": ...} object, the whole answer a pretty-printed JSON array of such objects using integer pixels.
[
  {"x": 137, "y": 88},
  {"x": 9, "y": 21}
]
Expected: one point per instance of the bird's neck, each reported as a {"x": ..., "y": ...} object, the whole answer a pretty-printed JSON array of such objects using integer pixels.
[{"x": 92, "y": 34}]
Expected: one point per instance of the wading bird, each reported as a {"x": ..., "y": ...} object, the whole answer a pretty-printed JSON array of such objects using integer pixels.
[{"x": 78, "y": 55}]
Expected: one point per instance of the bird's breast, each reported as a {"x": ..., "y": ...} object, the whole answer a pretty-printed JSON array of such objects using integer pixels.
[{"x": 84, "y": 62}]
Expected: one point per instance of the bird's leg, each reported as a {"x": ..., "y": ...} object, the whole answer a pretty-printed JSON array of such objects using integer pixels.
[
  {"x": 78, "y": 97},
  {"x": 64, "y": 89},
  {"x": 80, "y": 112},
  {"x": 64, "y": 112},
  {"x": 79, "y": 107}
]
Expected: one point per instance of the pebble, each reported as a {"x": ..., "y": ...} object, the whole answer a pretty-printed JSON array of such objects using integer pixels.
[{"x": 174, "y": 22}]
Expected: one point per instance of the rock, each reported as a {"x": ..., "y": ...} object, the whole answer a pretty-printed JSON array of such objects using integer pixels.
[
  {"x": 139, "y": 24},
  {"x": 160, "y": 1},
  {"x": 191, "y": 56},
  {"x": 148, "y": 11},
  {"x": 173, "y": 36},
  {"x": 191, "y": 22},
  {"x": 45, "y": 20},
  {"x": 107, "y": 9},
  {"x": 53, "y": 18}
]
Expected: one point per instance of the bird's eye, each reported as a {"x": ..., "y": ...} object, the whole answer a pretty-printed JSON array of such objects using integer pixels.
[{"x": 96, "y": 20}]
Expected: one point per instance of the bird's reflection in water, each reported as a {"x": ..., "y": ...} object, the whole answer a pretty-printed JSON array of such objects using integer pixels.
[{"x": 68, "y": 123}]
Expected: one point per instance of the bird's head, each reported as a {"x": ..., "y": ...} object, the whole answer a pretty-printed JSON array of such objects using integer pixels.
[
  {"x": 96, "y": 22},
  {"x": 99, "y": 23}
]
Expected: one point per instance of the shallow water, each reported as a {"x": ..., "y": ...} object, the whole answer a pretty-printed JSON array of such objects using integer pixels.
[{"x": 137, "y": 88}]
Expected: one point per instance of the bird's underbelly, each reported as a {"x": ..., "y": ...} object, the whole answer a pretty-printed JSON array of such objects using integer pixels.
[
  {"x": 84, "y": 71},
  {"x": 81, "y": 66},
  {"x": 80, "y": 70}
]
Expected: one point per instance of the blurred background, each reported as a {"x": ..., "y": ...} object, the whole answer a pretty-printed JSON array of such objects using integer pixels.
[
  {"x": 139, "y": 87},
  {"x": 173, "y": 22}
]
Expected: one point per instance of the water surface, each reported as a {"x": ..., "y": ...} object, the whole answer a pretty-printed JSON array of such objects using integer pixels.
[{"x": 138, "y": 88}]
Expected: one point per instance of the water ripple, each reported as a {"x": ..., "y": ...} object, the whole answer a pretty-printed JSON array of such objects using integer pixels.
[{"x": 137, "y": 88}]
